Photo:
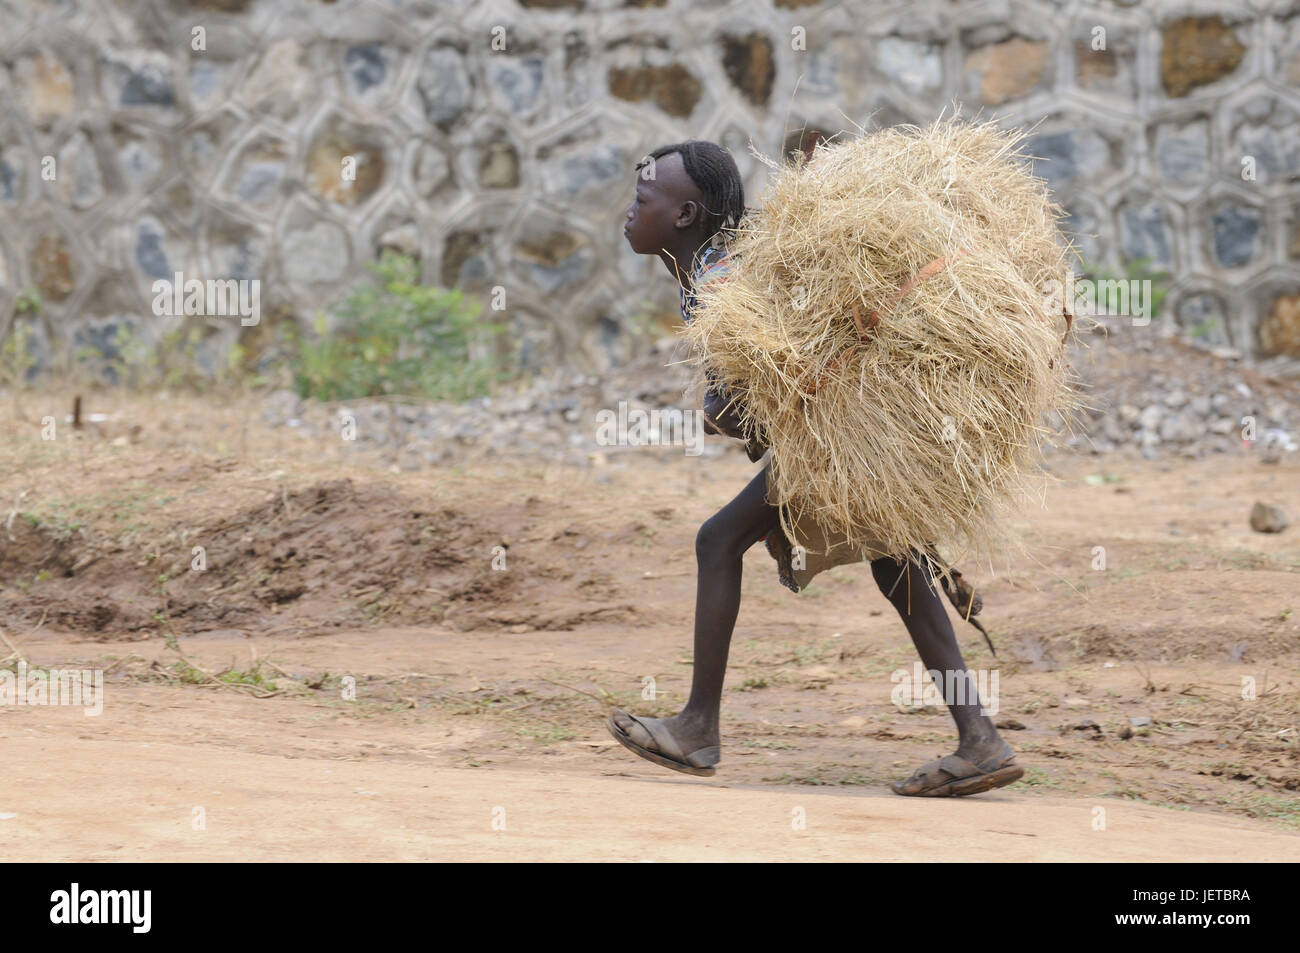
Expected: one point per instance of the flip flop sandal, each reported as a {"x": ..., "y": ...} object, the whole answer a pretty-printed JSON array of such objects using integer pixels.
[
  {"x": 699, "y": 763},
  {"x": 953, "y": 776}
]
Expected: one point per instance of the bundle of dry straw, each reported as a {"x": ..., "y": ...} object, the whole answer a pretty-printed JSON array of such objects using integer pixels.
[{"x": 886, "y": 324}]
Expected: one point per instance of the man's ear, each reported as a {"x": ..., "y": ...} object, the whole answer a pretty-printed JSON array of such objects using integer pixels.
[{"x": 688, "y": 214}]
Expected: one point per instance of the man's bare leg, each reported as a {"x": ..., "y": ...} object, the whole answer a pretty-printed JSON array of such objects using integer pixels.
[
  {"x": 720, "y": 547},
  {"x": 932, "y": 633}
]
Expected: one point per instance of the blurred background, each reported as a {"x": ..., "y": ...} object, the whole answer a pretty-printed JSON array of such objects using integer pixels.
[{"x": 493, "y": 144}]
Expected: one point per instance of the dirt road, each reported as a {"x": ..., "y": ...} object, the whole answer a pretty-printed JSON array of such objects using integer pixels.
[
  {"x": 351, "y": 677},
  {"x": 132, "y": 792}
]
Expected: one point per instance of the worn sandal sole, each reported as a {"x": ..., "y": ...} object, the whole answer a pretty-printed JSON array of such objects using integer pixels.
[
  {"x": 978, "y": 784},
  {"x": 654, "y": 756}
]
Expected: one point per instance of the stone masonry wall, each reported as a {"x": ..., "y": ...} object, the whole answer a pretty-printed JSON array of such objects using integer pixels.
[{"x": 495, "y": 140}]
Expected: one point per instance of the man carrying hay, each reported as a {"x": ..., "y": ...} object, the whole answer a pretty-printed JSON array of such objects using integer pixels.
[{"x": 680, "y": 213}]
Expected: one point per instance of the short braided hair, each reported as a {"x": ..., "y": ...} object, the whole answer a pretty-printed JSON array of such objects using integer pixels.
[{"x": 714, "y": 172}]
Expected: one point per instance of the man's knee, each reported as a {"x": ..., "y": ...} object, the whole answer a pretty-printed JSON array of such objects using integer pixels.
[{"x": 714, "y": 543}]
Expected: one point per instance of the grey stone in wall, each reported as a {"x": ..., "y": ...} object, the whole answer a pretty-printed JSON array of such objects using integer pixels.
[
  {"x": 1145, "y": 233},
  {"x": 917, "y": 66},
  {"x": 1236, "y": 230},
  {"x": 1203, "y": 316},
  {"x": 443, "y": 85},
  {"x": 1183, "y": 151},
  {"x": 1068, "y": 157},
  {"x": 315, "y": 254}
]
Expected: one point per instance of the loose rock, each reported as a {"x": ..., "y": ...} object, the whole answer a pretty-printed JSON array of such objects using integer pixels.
[{"x": 1267, "y": 518}]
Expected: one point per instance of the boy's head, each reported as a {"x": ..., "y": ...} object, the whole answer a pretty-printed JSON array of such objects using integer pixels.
[{"x": 685, "y": 193}]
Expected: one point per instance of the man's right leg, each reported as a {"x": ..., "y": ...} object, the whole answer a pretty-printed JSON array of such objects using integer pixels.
[{"x": 720, "y": 547}]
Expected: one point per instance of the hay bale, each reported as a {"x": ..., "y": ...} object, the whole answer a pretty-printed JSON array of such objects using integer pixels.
[{"x": 887, "y": 327}]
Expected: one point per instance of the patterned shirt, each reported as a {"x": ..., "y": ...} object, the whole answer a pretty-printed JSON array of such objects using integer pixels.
[{"x": 712, "y": 264}]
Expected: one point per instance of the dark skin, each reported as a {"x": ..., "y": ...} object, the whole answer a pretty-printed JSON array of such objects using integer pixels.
[{"x": 666, "y": 219}]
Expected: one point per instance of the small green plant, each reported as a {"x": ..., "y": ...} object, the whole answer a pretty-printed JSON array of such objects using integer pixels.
[
  {"x": 546, "y": 734},
  {"x": 1203, "y": 329},
  {"x": 58, "y": 524},
  {"x": 135, "y": 357},
  {"x": 29, "y": 302},
  {"x": 395, "y": 336},
  {"x": 1285, "y": 810},
  {"x": 253, "y": 676},
  {"x": 178, "y": 356},
  {"x": 1037, "y": 777},
  {"x": 16, "y": 357},
  {"x": 187, "y": 673}
]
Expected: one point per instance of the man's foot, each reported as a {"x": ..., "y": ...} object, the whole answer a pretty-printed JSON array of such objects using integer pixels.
[
  {"x": 666, "y": 742},
  {"x": 979, "y": 750},
  {"x": 957, "y": 775}
]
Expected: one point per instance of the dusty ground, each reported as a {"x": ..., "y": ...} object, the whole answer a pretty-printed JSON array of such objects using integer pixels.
[{"x": 480, "y": 693}]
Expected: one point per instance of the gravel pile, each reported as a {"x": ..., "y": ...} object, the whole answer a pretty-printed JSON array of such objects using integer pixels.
[
  {"x": 1151, "y": 393},
  {"x": 1154, "y": 393},
  {"x": 550, "y": 420}
]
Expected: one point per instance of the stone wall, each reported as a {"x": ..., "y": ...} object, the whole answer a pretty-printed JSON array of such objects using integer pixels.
[{"x": 495, "y": 139}]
